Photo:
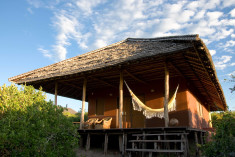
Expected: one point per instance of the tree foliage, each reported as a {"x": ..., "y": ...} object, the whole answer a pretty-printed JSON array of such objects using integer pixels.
[
  {"x": 232, "y": 80},
  {"x": 223, "y": 141},
  {"x": 31, "y": 126}
]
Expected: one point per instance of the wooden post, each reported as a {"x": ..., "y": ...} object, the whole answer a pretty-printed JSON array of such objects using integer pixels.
[
  {"x": 56, "y": 92},
  {"x": 83, "y": 103},
  {"x": 120, "y": 99},
  {"x": 210, "y": 121},
  {"x": 166, "y": 116},
  {"x": 117, "y": 119}
]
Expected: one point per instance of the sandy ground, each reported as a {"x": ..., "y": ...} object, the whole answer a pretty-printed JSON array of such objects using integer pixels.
[{"x": 81, "y": 152}]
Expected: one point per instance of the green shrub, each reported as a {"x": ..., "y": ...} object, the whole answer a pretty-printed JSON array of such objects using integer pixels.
[
  {"x": 75, "y": 117},
  {"x": 31, "y": 126},
  {"x": 223, "y": 141}
]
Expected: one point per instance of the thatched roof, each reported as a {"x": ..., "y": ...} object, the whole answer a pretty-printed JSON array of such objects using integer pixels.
[{"x": 187, "y": 54}]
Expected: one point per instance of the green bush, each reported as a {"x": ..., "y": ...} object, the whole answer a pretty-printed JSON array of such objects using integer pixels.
[
  {"x": 223, "y": 141},
  {"x": 31, "y": 126},
  {"x": 75, "y": 117}
]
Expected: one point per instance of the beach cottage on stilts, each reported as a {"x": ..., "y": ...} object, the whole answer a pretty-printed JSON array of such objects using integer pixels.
[{"x": 147, "y": 95}]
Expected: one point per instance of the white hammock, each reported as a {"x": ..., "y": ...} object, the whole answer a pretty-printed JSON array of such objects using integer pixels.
[{"x": 149, "y": 112}]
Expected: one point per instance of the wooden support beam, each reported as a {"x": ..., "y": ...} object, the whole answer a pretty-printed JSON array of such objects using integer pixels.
[
  {"x": 176, "y": 68},
  {"x": 56, "y": 92},
  {"x": 72, "y": 85},
  {"x": 166, "y": 116},
  {"x": 220, "y": 93},
  {"x": 109, "y": 84},
  {"x": 121, "y": 99},
  {"x": 83, "y": 103},
  {"x": 199, "y": 79},
  {"x": 134, "y": 77}
]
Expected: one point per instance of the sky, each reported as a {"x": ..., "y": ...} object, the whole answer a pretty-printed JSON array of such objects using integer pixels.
[{"x": 37, "y": 33}]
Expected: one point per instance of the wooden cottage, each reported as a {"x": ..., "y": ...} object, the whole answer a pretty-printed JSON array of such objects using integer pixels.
[{"x": 152, "y": 67}]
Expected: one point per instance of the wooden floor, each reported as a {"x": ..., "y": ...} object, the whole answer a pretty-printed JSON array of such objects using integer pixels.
[{"x": 144, "y": 141}]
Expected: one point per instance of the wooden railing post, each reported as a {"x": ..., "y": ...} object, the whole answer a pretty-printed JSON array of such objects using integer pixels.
[
  {"x": 121, "y": 99},
  {"x": 83, "y": 103},
  {"x": 56, "y": 92},
  {"x": 166, "y": 116}
]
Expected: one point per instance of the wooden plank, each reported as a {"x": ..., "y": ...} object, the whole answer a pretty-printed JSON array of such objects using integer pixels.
[
  {"x": 154, "y": 150},
  {"x": 155, "y": 141},
  {"x": 166, "y": 116},
  {"x": 83, "y": 103},
  {"x": 178, "y": 134},
  {"x": 56, "y": 92},
  {"x": 121, "y": 99}
]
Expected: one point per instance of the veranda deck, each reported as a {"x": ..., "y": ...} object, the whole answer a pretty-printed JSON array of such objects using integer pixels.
[{"x": 179, "y": 140}]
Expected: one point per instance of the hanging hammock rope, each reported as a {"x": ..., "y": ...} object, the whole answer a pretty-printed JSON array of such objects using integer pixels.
[{"x": 149, "y": 112}]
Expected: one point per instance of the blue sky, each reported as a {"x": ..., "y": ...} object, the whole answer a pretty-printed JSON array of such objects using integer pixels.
[{"x": 36, "y": 33}]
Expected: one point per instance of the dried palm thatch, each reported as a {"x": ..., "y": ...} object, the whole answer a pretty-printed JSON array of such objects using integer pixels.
[{"x": 187, "y": 56}]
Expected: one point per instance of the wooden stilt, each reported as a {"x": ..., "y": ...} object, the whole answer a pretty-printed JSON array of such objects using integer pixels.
[
  {"x": 120, "y": 143},
  {"x": 125, "y": 141},
  {"x": 88, "y": 140},
  {"x": 123, "y": 144},
  {"x": 106, "y": 143},
  {"x": 201, "y": 138},
  {"x": 81, "y": 141},
  {"x": 83, "y": 103},
  {"x": 196, "y": 143},
  {"x": 121, "y": 99},
  {"x": 166, "y": 116},
  {"x": 56, "y": 92}
]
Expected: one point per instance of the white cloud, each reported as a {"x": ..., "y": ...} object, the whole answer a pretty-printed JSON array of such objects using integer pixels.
[
  {"x": 213, "y": 18},
  {"x": 35, "y": 3},
  {"x": 30, "y": 10},
  {"x": 100, "y": 43},
  {"x": 230, "y": 43},
  {"x": 60, "y": 52},
  {"x": 45, "y": 52},
  {"x": 212, "y": 52},
  {"x": 193, "y": 5},
  {"x": 67, "y": 29},
  {"x": 199, "y": 15},
  {"x": 222, "y": 62},
  {"x": 222, "y": 33},
  {"x": 232, "y": 73},
  {"x": 232, "y": 64},
  {"x": 228, "y": 3},
  {"x": 232, "y": 13},
  {"x": 96, "y": 23},
  {"x": 87, "y": 5}
]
